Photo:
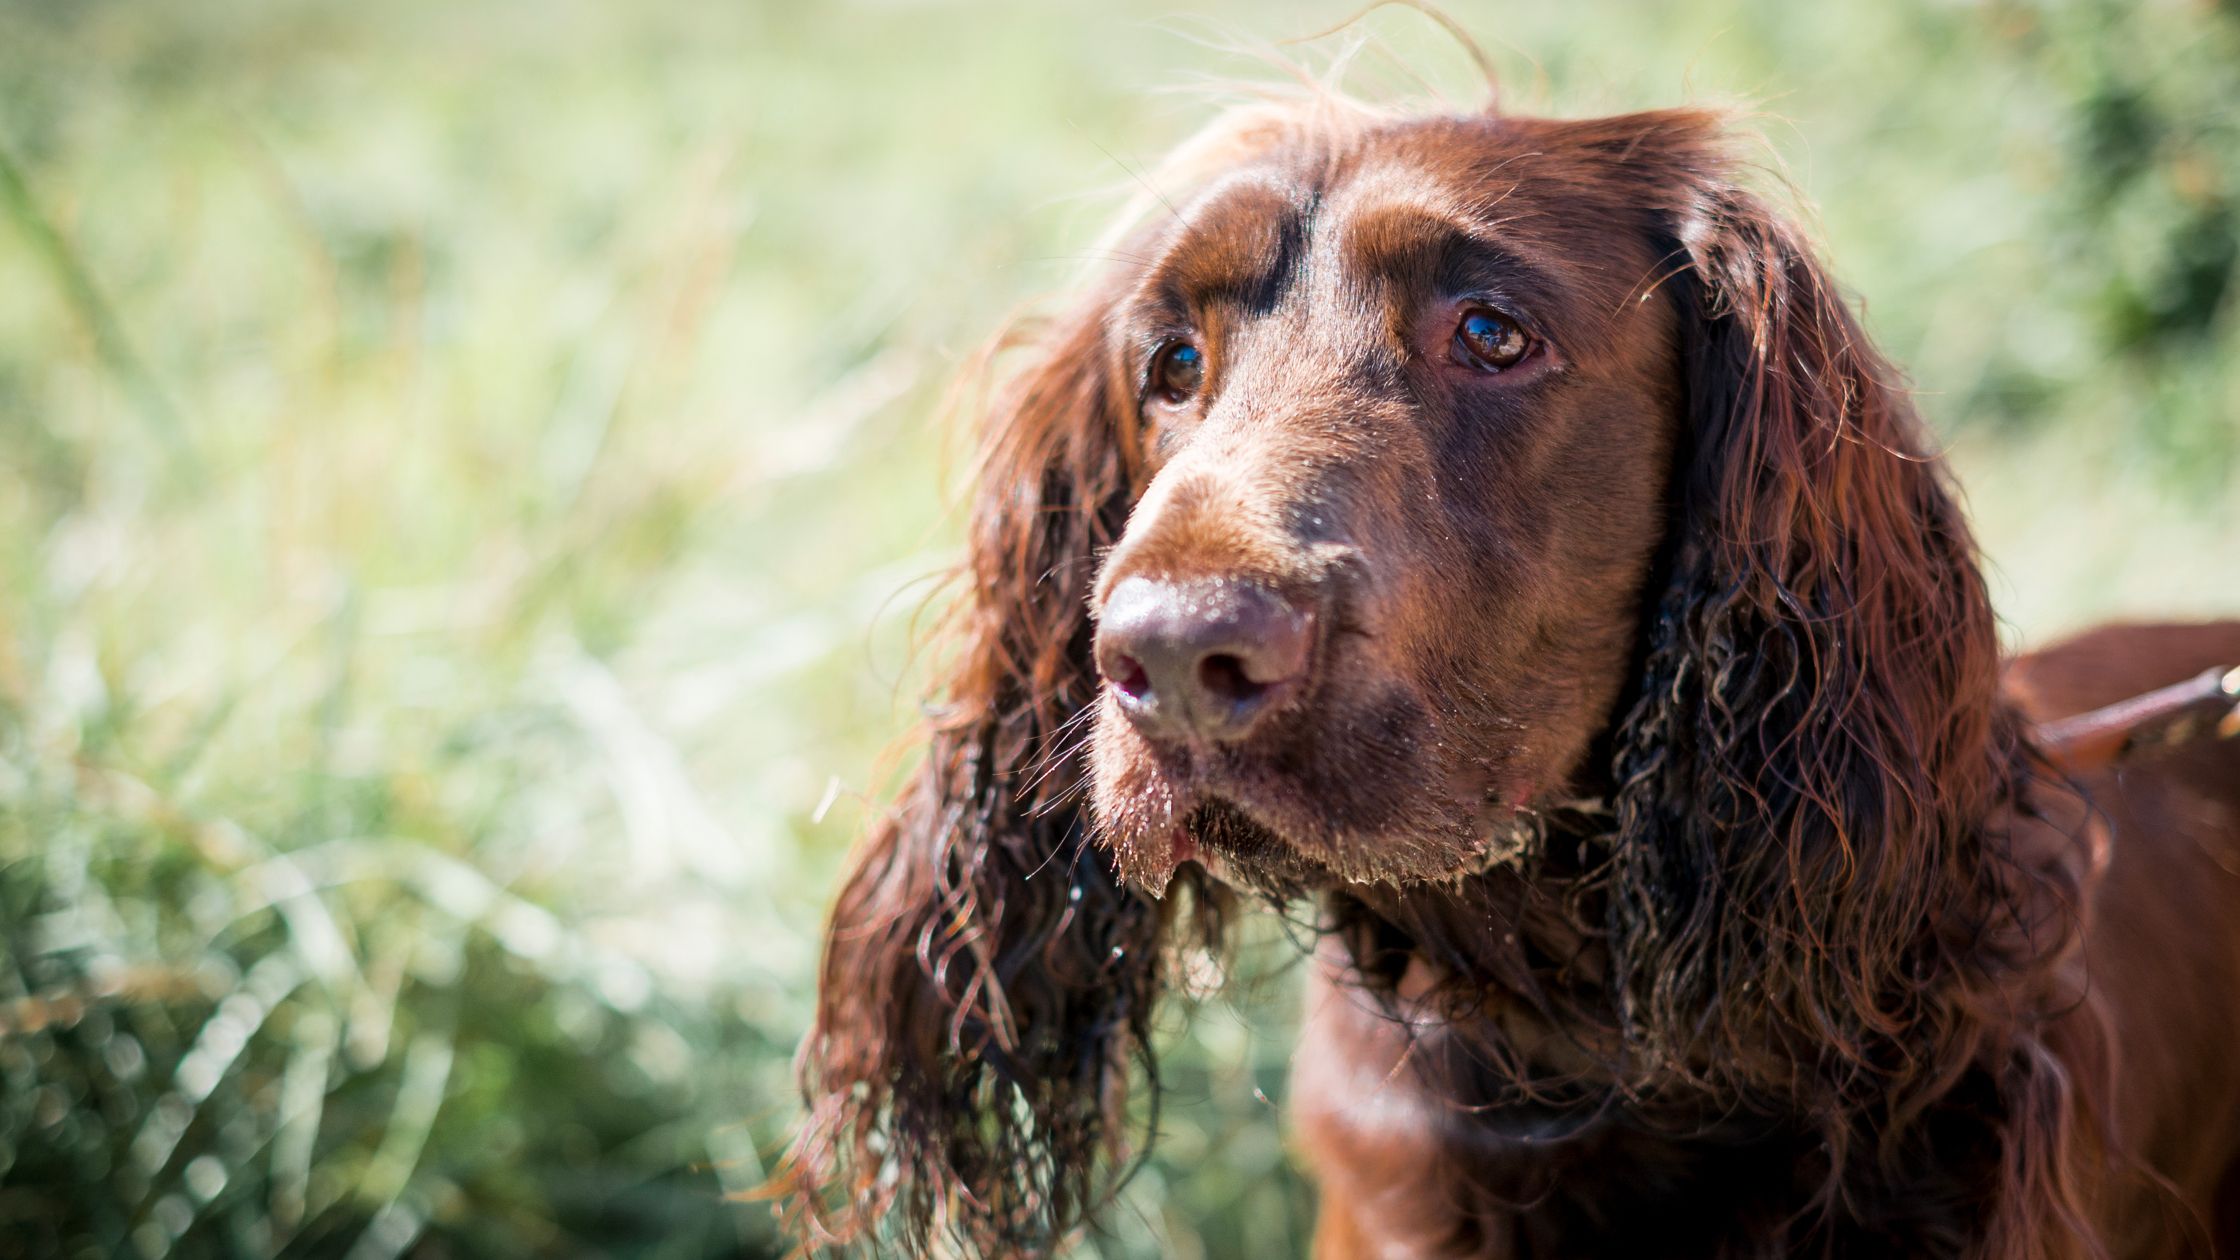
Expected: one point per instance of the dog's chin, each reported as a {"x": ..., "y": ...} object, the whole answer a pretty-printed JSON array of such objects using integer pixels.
[
  {"x": 1283, "y": 826},
  {"x": 1243, "y": 853}
]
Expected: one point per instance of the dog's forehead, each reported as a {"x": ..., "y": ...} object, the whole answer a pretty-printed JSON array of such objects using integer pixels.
[
  {"x": 1443, "y": 205},
  {"x": 1352, "y": 198},
  {"x": 1528, "y": 185}
]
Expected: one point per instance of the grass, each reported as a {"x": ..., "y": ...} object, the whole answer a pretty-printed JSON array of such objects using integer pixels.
[{"x": 467, "y": 474}]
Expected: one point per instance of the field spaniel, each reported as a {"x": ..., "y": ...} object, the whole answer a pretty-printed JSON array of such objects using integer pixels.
[{"x": 1497, "y": 534}]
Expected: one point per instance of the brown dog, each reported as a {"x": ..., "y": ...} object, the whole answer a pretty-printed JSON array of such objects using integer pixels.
[{"x": 1498, "y": 530}]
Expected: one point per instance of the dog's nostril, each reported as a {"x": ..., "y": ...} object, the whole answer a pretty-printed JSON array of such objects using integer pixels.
[
  {"x": 1129, "y": 676},
  {"x": 1223, "y": 676}
]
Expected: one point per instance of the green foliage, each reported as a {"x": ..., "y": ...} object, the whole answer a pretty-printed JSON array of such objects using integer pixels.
[
  {"x": 207, "y": 1052},
  {"x": 467, "y": 474}
]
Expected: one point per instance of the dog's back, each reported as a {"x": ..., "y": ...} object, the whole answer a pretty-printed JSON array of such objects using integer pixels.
[{"x": 2163, "y": 946}]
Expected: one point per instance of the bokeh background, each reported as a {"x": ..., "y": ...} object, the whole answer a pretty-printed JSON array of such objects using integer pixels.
[{"x": 469, "y": 469}]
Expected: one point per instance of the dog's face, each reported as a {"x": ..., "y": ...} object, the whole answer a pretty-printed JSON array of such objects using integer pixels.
[{"x": 1409, "y": 408}]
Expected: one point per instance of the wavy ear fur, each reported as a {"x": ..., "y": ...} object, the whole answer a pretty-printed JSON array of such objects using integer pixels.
[
  {"x": 1813, "y": 890},
  {"x": 1812, "y": 755},
  {"x": 988, "y": 983}
]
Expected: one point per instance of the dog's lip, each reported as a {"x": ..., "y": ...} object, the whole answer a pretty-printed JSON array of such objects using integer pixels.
[
  {"x": 1495, "y": 842},
  {"x": 1182, "y": 847}
]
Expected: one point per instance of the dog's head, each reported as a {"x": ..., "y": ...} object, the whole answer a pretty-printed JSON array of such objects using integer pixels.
[{"x": 1408, "y": 403}]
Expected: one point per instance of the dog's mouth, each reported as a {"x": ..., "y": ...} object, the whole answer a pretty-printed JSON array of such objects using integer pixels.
[
  {"x": 1367, "y": 793},
  {"x": 1283, "y": 844},
  {"x": 1242, "y": 852}
]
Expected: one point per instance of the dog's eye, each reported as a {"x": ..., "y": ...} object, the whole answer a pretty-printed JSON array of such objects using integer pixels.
[
  {"x": 1490, "y": 341},
  {"x": 1177, "y": 372}
]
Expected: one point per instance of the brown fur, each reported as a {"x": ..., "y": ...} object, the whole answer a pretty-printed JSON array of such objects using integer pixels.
[{"x": 1691, "y": 885}]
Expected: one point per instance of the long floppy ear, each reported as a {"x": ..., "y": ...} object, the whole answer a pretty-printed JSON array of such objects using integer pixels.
[
  {"x": 1838, "y": 886},
  {"x": 1804, "y": 777},
  {"x": 988, "y": 982}
]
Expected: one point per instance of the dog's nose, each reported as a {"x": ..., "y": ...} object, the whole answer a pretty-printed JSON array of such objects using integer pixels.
[{"x": 1205, "y": 658}]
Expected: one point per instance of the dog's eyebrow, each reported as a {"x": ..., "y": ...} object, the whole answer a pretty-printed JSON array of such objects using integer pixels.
[
  {"x": 1237, "y": 246},
  {"x": 1411, "y": 243}
]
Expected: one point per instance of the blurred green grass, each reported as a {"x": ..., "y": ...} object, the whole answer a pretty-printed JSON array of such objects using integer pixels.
[{"x": 467, "y": 472}]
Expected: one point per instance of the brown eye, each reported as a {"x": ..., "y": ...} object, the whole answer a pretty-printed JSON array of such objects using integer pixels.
[
  {"x": 1490, "y": 341},
  {"x": 1178, "y": 372}
]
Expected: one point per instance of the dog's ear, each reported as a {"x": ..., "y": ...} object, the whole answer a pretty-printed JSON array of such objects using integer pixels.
[
  {"x": 987, "y": 982},
  {"x": 1804, "y": 775},
  {"x": 1827, "y": 890}
]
